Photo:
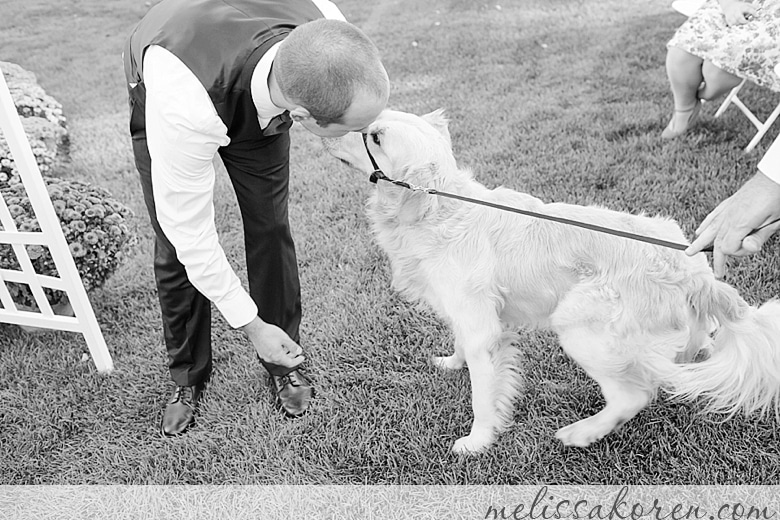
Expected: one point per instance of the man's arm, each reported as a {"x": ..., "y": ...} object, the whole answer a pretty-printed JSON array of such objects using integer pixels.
[
  {"x": 183, "y": 135},
  {"x": 730, "y": 224}
]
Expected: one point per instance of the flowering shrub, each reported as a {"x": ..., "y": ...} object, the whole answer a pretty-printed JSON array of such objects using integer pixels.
[
  {"x": 29, "y": 97},
  {"x": 42, "y": 119},
  {"x": 94, "y": 225},
  {"x": 44, "y": 138}
]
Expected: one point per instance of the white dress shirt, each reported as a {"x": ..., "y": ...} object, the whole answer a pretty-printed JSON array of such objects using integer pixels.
[
  {"x": 184, "y": 133},
  {"x": 770, "y": 163}
]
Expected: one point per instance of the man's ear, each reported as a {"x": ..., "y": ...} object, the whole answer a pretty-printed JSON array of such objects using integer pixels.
[
  {"x": 437, "y": 120},
  {"x": 299, "y": 114}
]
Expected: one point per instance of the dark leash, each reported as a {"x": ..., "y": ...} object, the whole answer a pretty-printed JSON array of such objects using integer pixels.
[{"x": 378, "y": 174}]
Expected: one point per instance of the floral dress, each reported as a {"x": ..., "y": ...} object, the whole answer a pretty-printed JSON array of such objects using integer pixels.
[{"x": 750, "y": 50}]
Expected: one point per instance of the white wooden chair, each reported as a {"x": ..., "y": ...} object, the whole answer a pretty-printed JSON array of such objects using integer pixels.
[{"x": 687, "y": 8}]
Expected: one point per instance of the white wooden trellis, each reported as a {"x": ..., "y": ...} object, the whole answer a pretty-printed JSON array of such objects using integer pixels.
[{"x": 51, "y": 237}]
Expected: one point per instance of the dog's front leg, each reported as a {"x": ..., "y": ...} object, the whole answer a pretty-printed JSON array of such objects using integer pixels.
[
  {"x": 478, "y": 338},
  {"x": 483, "y": 431}
]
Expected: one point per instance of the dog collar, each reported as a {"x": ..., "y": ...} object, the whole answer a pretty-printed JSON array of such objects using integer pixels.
[{"x": 377, "y": 173}]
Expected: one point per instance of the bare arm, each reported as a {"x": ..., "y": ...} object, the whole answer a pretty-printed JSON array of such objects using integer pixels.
[{"x": 755, "y": 204}]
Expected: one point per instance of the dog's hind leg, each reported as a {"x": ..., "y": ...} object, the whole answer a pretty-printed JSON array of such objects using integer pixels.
[
  {"x": 624, "y": 390},
  {"x": 454, "y": 362}
]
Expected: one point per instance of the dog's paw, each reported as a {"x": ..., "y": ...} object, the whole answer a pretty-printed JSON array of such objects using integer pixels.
[
  {"x": 472, "y": 444},
  {"x": 449, "y": 362},
  {"x": 583, "y": 433}
]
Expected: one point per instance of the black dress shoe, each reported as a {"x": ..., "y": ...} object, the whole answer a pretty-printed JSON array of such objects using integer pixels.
[
  {"x": 294, "y": 392},
  {"x": 181, "y": 408}
]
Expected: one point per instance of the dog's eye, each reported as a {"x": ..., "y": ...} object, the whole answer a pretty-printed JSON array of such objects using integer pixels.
[{"x": 375, "y": 138}]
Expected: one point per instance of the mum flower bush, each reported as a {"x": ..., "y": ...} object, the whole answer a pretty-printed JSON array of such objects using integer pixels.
[
  {"x": 93, "y": 222},
  {"x": 95, "y": 226},
  {"x": 29, "y": 97},
  {"x": 42, "y": 118},
  {"x": 44, "y": 138}
]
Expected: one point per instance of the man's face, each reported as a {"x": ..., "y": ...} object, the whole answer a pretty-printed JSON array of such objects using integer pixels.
[{"x": 362, "y": 112}]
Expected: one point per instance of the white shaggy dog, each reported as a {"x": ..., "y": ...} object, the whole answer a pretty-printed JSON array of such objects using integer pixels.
[{"x": 633, "y": 315}]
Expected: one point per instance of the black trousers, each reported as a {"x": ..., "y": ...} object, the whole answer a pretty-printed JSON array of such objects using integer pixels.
[{"x": 259, "y": 173}]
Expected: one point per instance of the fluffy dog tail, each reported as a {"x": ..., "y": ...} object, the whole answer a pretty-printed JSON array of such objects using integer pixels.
[{"x": 742, "y": 373}]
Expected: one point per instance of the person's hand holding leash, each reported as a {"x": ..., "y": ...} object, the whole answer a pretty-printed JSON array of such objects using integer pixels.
[{"x": 729, "y": 226}]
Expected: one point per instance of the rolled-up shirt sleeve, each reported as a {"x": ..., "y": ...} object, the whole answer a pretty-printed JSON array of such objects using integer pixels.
[
  {"x": 770, "y": 162},
  {"x": 183, "y": 134}
]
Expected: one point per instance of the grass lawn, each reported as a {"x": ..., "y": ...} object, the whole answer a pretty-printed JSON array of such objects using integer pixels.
[{"x": 560, "y": 98}]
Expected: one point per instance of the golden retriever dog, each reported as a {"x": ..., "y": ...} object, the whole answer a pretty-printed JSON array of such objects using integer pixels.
[{"x": 636, "y": 316}]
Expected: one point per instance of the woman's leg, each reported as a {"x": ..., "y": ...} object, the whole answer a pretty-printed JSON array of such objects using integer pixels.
[
  {"x": 717, "y": 82},
  {"x": 685, "y": 76}
]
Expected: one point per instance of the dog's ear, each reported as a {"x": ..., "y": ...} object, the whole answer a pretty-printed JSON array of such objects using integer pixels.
[{"x": 437, "y": 120}]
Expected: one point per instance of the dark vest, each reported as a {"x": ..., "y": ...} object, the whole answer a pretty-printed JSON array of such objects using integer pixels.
[{"x": 220, "y": 41}]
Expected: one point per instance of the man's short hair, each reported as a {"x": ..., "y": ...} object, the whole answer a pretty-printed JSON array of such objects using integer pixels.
[{"x": 321, "y": 65}]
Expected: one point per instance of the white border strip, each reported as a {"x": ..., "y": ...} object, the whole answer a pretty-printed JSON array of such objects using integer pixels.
[{"x": 392, "y": 502}]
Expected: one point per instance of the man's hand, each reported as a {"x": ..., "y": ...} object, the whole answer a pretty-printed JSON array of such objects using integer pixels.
[
  {"x": 737, "y": 13},
  {"x": 756, "y": 203},
  {"x": 272, "y": 344}
]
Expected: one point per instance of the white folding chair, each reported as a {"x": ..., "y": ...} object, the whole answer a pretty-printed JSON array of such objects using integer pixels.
[
  {"x": 687, "y": 8},
  {"x": 761, "y": 126}
]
